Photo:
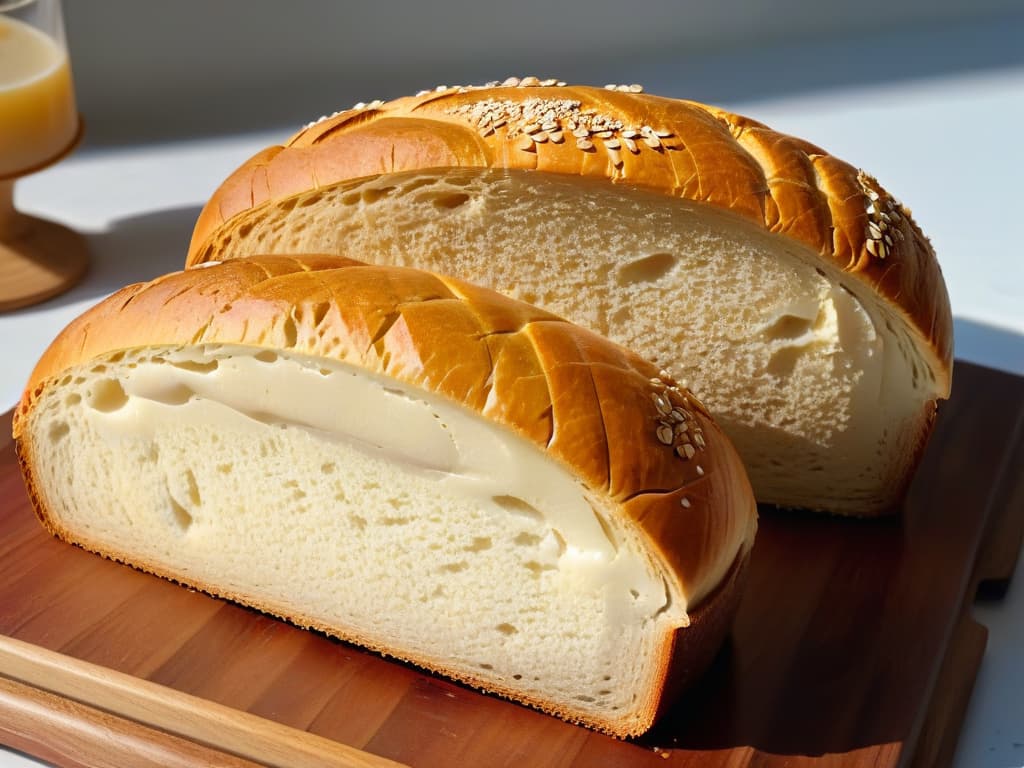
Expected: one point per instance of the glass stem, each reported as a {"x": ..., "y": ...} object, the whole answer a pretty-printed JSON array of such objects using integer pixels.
[
  {"x": 7, "y": 212},
  {"x": 12, "y": 223}
]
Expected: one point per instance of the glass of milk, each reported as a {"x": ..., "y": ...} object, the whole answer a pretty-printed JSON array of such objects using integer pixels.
[{"x": 39, "y": 124}]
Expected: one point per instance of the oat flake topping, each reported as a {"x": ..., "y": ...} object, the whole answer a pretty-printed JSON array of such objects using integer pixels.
[
  {"x": 539, "y": 120},
  {"x": 558, "y": 120},
  {"x": 884, "y": 215},
  {"x": 675, "y": 424}
]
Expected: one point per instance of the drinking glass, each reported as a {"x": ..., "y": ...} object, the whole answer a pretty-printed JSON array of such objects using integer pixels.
[{"x": 39, "y": 124}]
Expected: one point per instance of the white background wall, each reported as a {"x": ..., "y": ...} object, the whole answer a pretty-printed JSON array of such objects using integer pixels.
[{"x": 164, "y": 69}]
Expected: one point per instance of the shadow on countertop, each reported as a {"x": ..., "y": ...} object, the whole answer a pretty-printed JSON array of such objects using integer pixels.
[{"x": 131, "y": 250}]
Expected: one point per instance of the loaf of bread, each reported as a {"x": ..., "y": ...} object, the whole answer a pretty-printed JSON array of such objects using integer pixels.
[
  {"x": 408, "y": 462},
  {"x": 790, "y": 291}
]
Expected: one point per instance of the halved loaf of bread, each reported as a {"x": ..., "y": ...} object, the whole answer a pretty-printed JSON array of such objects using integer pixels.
[
  {"x": 787, "y": 288},
  {"x": 406, "y": 461}
]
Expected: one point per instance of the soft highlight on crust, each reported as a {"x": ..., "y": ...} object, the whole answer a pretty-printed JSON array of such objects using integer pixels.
[{"x": 704, "y": 154}]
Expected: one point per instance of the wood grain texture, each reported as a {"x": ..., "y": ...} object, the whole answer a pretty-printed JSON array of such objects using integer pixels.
[
  {"x": 853, "y": 645},
  {"x": 133, "y": 705},
  {"x": 1005, "y": 533},
  {"x": 937, "y": 742},
  {"x": 65, "y": 732}
]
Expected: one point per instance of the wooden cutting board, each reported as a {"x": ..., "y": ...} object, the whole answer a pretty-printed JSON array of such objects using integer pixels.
[{"x": 853, "y": 645}]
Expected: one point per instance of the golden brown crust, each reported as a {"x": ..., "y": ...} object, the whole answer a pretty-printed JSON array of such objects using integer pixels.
[
  {"x": 597, "y": 408},
  {"x": 679, "y": 148},
  {"x": 554, "y": 383}
]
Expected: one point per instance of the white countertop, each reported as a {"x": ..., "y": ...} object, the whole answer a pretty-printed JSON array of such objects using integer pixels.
[{"x": 943, "y": 143}]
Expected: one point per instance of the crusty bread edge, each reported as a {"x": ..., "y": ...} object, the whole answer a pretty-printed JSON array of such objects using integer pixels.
[{"x": 722, "y": 502}]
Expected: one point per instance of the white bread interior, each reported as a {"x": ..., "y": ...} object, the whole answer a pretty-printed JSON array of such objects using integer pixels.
[
  {"x": 818, "y": 381},
  {"x": 402, "y": 521}
]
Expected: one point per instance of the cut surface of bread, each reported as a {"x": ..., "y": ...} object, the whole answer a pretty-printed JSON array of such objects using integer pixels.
[
  {"x": 360, "y": 450},
  {"x": 788, "y": 288},
  {"x": 820, "y": 384}
]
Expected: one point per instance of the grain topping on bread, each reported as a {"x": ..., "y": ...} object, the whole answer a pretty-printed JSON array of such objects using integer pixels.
[{"x": 792, "y": 292}]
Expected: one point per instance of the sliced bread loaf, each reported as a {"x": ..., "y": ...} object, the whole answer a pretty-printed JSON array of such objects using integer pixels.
[{"x": 405, "y": 461}]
